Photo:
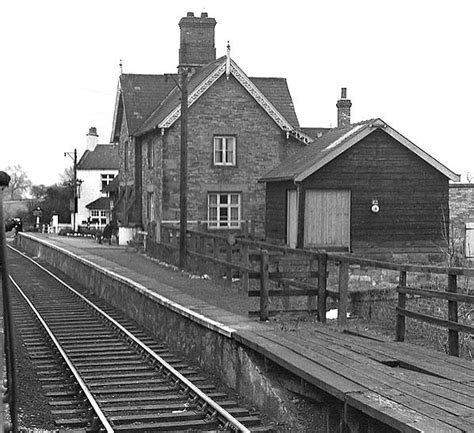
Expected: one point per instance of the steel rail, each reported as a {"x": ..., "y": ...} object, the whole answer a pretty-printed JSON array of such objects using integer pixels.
[
  {"x": 77, "y": 376},
  {"x": 225, "y": 416}
]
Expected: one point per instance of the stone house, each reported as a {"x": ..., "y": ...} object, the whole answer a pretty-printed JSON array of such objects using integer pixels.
[{"x": 238, "y": 129}]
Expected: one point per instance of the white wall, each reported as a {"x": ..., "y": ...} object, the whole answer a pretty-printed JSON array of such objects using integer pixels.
[{"x": 90, "y": 190}]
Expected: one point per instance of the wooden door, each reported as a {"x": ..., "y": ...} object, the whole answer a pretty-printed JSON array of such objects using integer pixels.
[
  {"x": 327, "y": 218},
  {"x": 291, "y": 217}
]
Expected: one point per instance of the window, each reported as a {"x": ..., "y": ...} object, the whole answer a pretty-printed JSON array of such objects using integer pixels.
[
  {"x": 125, "y": 156},
  {"x": 224, "y": 210},
  {"x": 149, "y": 154},
  {"x": 106, "y": 179},
  {"x": 224, "y": 150},
  {"x": 98, "y": 217},
  {"x": 149, "y": 206}
]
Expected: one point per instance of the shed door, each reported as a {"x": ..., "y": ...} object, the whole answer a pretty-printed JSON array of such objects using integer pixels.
[
  {"x": 469, "y": 240},
  {"x": 327, "y": 218},
  {"x": 292, "y": 217}
]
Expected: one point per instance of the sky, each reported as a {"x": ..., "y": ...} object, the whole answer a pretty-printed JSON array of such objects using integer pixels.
[{"x": 409, "y": 62}]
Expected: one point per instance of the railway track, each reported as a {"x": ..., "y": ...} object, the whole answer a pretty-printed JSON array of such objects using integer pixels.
[{"x": 100, "y": 371}]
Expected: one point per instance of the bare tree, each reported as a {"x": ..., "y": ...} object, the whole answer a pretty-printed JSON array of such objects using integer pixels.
[
  {"x": 19, "y": 182},
  {"x": 469, "y": 177}
]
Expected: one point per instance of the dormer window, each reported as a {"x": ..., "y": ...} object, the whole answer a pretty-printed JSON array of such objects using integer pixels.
[{"x": 224, "y": 150}]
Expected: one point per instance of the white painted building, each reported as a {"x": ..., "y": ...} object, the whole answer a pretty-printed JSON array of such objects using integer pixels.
[{"x": 96, "y": 168}]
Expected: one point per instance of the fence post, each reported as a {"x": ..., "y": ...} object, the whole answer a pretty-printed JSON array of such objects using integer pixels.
[
  {"x": 402, "y": 300},
  {"x": 311, "y": 301},
  {"x": 215, "y": 253},
  {"x": 322, "y": 283},
  {"x": 229, "y": 259},
  {"x": 343, "y": 287},
  {"x": 245, "y": 257},
  {"x": 453, "y": 335},
  {"x": 264, "y": 301}
]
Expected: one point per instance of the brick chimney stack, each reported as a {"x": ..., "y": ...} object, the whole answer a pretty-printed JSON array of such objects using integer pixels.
[
  {"x": 343, "y": 110},
  {"x": 197, "y": 47},
  {"x": 92, "y": 138}
]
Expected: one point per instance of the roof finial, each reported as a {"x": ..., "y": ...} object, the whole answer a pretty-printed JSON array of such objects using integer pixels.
[
  {"x": 120, "y": 66},
  {"x": 227, "y": 66}
]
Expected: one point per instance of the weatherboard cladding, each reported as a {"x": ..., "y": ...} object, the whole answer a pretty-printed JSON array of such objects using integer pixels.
[
  {"x": 103, "y": 157},
  {"x": 412, "y": 194}
]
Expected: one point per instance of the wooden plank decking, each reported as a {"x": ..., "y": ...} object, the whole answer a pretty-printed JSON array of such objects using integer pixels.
[{"x": 407, "y": 387}]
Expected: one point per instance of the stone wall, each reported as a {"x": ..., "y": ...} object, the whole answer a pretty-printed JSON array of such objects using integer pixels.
[
  {"x": 461, "y": 211},
  {"x": 225, "y": 109}
]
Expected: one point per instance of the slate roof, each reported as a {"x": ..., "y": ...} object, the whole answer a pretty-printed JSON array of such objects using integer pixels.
[
  {"x": 336, "y": 141},
  {"x": 141, "y": 94},
  {"x": 173, "y": 98},
  {"x": 314, "y": 132},
  {"x": 99, "y": 204},
  {"x": 274, "y": 89},
  {"x": 277, "y": 92},
  {"x": 103, "y": 157}
]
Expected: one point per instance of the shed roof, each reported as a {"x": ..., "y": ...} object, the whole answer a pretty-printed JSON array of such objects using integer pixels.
[
  {"x": 103, "y": 157},
  {"x": 336, "y": 141}
]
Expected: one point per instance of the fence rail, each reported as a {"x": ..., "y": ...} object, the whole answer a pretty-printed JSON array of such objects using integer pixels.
[{"x": 261, "y": 261}]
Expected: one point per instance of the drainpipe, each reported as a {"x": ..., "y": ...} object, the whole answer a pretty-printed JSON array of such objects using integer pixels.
[{"x": 300, "y": 194}]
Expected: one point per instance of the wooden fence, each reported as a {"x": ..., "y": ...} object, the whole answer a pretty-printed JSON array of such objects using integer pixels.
[{"x": 252, "y": 259}]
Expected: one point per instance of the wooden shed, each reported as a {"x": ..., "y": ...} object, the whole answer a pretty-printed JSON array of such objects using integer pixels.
[{"x": 359, "y": 187}]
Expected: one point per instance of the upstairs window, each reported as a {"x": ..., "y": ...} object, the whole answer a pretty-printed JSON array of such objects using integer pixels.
[
  {"x": 149, "y": 154},
  {"x": 224, "y": 210},
  {"x": 224, "y": 150},
  {"x": 106, "y": 179}
]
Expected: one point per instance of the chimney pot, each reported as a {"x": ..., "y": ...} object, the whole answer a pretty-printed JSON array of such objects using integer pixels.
[
  {"x": 343, "y": 93},
  {"x": 190, "y": 14},
  {"x": 92, "y": 138},
  {"x": 93, "y": 131},
  {"x": 204, "y": 15}
]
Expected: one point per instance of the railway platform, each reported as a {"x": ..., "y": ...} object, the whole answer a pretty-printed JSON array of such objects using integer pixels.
[{"x": 380, "y": 385}]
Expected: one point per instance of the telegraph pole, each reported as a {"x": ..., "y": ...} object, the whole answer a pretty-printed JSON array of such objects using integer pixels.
[
  {"x": 11, "y": 396},
  {"x": 73, "y": 155},
  {"x": 183, "y": 183}
]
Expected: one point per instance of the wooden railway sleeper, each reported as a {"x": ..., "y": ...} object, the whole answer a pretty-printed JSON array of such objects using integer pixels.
[
  {"x": 193, "y": 399},
  {"x": 176, "y": 384},
  {"x": 228, "y": 426},
  {"x": 211, "y": 416}
]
